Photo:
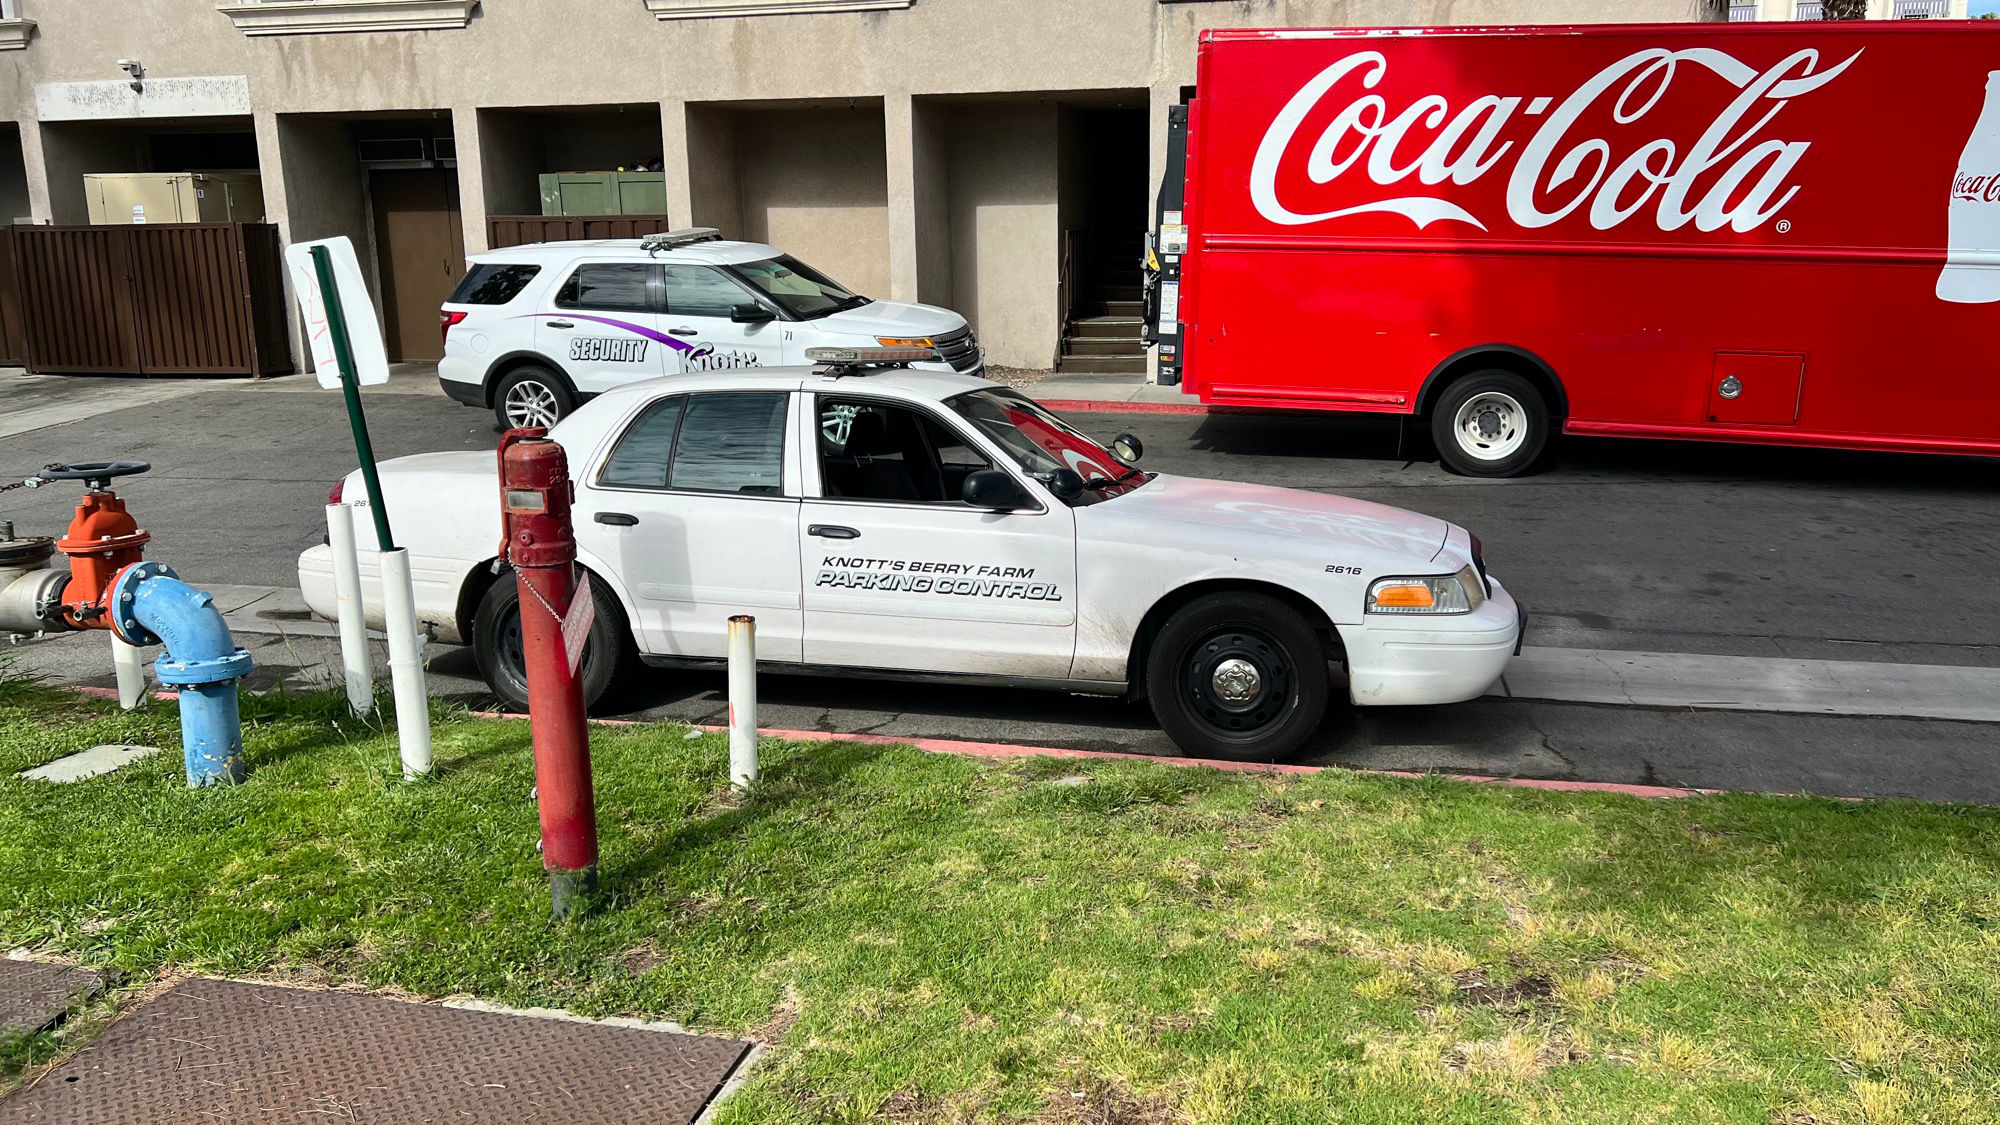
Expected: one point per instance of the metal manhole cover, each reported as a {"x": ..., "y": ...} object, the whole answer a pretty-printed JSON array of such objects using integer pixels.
[
  {"x": 34, "y": 995},
  {"x": 210, "y": 1050}
]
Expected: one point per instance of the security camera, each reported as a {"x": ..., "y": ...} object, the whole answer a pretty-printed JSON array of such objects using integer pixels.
[{"x": 137, "y": 71}]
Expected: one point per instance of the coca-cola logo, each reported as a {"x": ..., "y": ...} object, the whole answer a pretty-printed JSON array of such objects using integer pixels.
[
  {"x": 1977, "y": 189},
  {"x": 1726, "y": 177}
]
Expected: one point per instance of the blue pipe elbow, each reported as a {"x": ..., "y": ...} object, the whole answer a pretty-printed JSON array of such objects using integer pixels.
[{"x": 151, "y": 605}]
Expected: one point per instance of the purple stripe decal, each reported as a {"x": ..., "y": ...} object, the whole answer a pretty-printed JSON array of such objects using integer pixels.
[{"x": 677, "y": 345}]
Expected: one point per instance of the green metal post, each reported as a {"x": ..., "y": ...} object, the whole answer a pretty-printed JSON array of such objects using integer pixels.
[{"x": 350, "y": 389}]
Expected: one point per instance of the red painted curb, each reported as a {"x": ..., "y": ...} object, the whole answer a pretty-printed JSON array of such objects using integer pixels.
[{"x": 1011, "y": 750}]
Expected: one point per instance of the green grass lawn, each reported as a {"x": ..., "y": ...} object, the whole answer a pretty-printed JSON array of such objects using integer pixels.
[{"x": 928, "y": 938}]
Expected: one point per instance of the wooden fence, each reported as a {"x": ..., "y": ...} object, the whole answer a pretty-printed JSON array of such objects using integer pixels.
[
  {"x": 515, "y": 230},
  {"x": 165, "y": 299}
]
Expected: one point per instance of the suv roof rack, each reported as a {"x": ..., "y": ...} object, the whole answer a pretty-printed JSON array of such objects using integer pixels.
[
  {"x": 654, "y": 243},
  {"x": 840, "y": 362}
]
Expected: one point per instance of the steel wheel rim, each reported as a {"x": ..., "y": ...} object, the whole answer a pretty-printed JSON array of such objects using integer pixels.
[
  {"x": 530, "y": 403},
  {"x": 513, "y": 650},
  {"x": 1491, "y": 426},
  {"x": 1213, "y": 665}
]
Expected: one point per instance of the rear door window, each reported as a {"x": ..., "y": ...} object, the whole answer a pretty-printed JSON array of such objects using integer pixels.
[
  {"x": 643, "y": 454},
  {"x": 611, "y": 287},
  {"x": 731, "y": 442},
  {"x": 493, "y": 283}
]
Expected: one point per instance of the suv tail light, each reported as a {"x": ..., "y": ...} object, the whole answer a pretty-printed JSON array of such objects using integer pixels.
[
  {"x": 447, "y": 318},
  {"x": 339, "y": 486}
]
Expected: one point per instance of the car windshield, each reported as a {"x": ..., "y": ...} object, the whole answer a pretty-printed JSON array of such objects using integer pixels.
[
  {"x": 1041, "y": 443},
  {"x": 802, "y": 290}
]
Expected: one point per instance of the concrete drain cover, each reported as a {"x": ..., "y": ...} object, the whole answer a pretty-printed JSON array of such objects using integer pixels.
[
  {"x": 34, "y": 995},
  {"x": 210, "y": 1050}
]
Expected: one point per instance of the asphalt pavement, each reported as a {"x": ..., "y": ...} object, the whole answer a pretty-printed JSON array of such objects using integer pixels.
[{"x": 1786, "y": 556}]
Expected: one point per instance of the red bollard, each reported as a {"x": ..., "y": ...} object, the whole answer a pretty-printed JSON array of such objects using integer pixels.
[{"x": 535, "y": 496}]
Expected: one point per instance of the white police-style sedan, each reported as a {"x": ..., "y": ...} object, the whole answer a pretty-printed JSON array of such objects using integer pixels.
[{"x": 921, "y": 525}]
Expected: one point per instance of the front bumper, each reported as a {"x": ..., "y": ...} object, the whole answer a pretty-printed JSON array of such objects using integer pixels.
[{"x": 1400, "y": 661}]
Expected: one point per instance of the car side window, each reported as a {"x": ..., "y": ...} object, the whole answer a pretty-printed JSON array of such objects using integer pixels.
[
  {"x": 644, "y": 453},
  {"x": 731, "y": 442},
  {"x": 610, "y": 287},
  {"x": 701, "y": 291},
  {"x": 881, "y": 451}
]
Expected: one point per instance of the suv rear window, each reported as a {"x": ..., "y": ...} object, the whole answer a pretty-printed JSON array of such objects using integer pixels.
[{"x": 492, "y": 283}]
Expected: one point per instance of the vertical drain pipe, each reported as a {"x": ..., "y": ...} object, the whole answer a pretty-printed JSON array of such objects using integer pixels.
[{"x": 150, "y": 605}]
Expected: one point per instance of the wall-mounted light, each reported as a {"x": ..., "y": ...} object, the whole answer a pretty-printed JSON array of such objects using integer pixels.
[{"x": 138, "y": 73}]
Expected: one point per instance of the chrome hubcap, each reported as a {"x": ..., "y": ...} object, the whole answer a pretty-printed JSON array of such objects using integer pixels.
[
  {"x": 1236, "y": 680},
  {"x": 1491, "y": 426},
  {"x": 532, "y": 404}
]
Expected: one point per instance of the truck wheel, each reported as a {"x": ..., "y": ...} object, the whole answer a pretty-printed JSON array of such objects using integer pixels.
[
  {"x": 1237, "y": 675},
  {"x": 496, "y": 644},
  {"x": 1490, "y": 424},
  {"x": 531, "y": 395}
]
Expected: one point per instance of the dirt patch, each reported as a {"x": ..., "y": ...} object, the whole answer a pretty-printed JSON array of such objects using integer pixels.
[
  {"x": 1018, "y": 376},
  {"x": 1522, "y": 992},
  {"x": 1100, "y": 1102},
  {"x": 641, "y": 959},
  {"x": 783, "y": 1016}
]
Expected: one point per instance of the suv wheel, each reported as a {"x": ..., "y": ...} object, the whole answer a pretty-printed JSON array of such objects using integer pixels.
[
  {"x": 1238, "y": 675},
  {"x": 497, "y": 649},
  {"x": 532, "y": 396}
]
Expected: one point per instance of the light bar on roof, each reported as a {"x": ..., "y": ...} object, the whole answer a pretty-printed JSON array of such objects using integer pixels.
[
  {"x": 655, "y": 242},
  {"x": 848, "y": 357}
]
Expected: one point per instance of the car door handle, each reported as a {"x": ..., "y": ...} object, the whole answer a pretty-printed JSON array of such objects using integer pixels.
[
  {"x": 682, "y": 332},
  {"x": 559, "y": 324},
  {"x": 832, "y": 531},
  {"x": 616, "y": 519}
]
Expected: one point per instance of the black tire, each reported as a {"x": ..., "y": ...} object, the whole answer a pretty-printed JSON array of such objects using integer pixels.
[
  {"x": 496, "y": 644},
  {"x": 1285, "y": 655},
  {"x": 1490, "y": 424},
  {"x": 531, "y": 392}
]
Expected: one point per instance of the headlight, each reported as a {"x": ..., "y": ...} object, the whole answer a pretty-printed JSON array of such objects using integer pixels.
[{"x": 1444, "y": 594}]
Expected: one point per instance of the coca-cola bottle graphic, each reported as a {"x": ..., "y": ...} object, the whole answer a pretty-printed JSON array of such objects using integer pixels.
[{"x": 1972, "y": 254}]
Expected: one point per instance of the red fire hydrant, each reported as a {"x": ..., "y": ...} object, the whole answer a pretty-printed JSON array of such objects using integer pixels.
[{"x": 535, "y": 496}]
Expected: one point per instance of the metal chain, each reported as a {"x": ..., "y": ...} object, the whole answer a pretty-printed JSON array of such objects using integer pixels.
[
  {"x": 530, "y": 587},
  {"x": 31, "y": 482}
]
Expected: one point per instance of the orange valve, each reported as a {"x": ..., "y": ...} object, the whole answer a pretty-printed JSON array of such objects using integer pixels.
[{"x": 102, "y": 539}]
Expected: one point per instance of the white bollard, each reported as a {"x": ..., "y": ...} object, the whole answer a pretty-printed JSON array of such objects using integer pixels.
[
  {"x": 742, "y": 701},
  {"x": 349, "y": 611},
  {"x": 406, "y": 664},
  {"x": 130, "y": 665}
]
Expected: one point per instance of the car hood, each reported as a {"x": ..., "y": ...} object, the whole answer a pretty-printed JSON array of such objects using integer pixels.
[
  {"x": 892, "y": 318},
  {"x": 1232, "y": 516}
]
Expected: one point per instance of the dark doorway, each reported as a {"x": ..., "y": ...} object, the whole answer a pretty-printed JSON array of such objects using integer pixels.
[
  {"x": 420, "y": 244},
  {"x": 1104, "y": 239}
]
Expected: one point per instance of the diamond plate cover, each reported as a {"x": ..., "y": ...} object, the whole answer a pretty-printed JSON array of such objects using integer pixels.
[
  {"x": 209, "y": 1050},
  {"x": 34, "y": 995}
]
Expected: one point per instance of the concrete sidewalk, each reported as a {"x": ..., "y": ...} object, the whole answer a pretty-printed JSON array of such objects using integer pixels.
[{"x": 34, "y": 402}]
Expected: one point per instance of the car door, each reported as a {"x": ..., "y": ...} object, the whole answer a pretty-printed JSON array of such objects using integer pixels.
[
  {"x": 702, "y": 323},
  {"x": 603, "y": 327},
  {"x": 901, "y": 574},
  {"x": 690, "y": 511}
]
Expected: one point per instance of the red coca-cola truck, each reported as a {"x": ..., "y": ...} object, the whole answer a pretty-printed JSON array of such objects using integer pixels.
[{"x": 1778, "y": 233}]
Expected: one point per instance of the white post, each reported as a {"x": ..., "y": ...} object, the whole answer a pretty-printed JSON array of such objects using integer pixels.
[
  {"x": 406, "y": 664},
  {"x": 742, "y": 701},
  {"x": 131, "y": 668},
  {"x": 349, "y": 611}
]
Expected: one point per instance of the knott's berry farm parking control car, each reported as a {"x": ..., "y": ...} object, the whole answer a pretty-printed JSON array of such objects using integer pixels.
[{"x": 926, "y": 525}]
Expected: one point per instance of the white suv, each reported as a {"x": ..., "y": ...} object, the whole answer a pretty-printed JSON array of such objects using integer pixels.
[{"x": 533, "y": 331}]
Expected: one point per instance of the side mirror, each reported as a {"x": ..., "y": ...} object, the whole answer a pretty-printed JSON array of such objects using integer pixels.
[
  {"x": 1128, "y": 448},
  {"x": 752, "y": 314},
  {"x": 1065, "y": 483},
  {"x": 995, "y": 491}
]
